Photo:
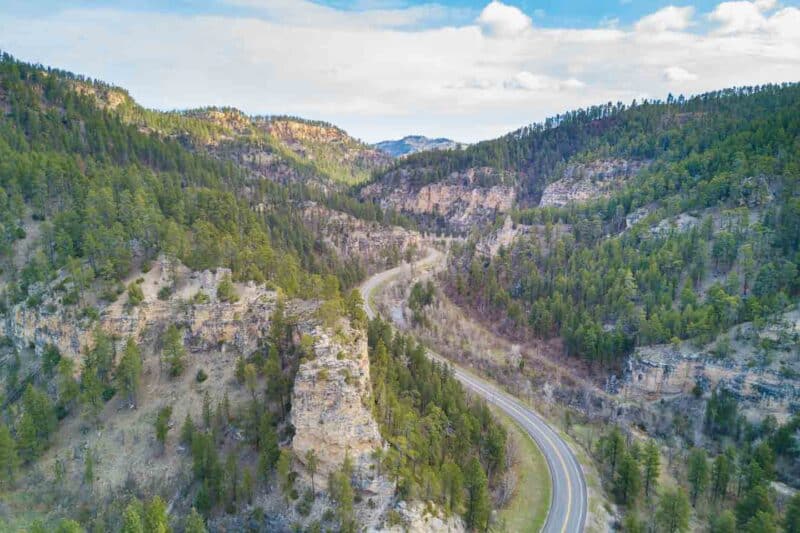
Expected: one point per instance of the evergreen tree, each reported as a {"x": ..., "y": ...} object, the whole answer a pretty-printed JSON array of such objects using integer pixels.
[
  {"x": 9, "y": 460},
  {"x": 174, "y": 352},
  {"x": 162, "y": 425},
  {"x": 129, "y": 371},
  {"x": 132, "y": 519},
  {"x": 155, "y": 516},
  {"x": 697, "y": 473},
  {"x": 194, "y": 523},
  {"x": 673, "y": 511},
  {"x": 478, "y": 502},
  {"x": 312, "y": 461},
  {"x": 651, "y": 465},
  {"x": 628, "y": 480},
  {"x": 725, "y": 522},
  {"x": 792, "y": 519},
  {"x": 188, "y": 430}
]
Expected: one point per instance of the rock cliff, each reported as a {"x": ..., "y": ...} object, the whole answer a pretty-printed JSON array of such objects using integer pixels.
[
  {"x": 465, "y": 198},
  {"x": 330, "y": 404},
  {"x": 376, "y": 246},
  {"x": 587, "y": 181}
]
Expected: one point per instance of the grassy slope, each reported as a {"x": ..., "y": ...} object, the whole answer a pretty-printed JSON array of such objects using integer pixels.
[{"x": 527, "y": 510}]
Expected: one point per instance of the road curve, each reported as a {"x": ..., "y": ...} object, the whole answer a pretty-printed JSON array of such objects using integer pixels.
[{"x": 568, "y": 506}]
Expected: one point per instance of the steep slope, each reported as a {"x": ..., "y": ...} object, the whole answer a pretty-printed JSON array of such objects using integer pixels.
[
  {"x": 671, "y": 280},
  {"x": 281, "y": 149},
  {"x": 160, "y": 302},
  {"x": 580, "y": 154}
]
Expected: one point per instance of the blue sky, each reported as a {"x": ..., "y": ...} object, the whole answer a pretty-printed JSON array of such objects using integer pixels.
[{"x": 464, "y": 69}]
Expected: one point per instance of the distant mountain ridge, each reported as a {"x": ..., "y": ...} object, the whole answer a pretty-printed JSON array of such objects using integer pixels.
[{"x": 411, "y": 144}]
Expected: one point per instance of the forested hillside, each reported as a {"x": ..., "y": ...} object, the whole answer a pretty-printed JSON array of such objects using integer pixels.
[{"x": 705, "y": 237}]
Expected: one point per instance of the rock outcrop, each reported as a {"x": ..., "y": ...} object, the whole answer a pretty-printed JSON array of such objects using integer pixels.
[
  {"x": 330, "y": 404},
  {"x": 208, "y": 324},
  {"x": 587, "y": 181},
  {"x": 419, "y": 517},
  {"x": 377, "y": 246},
  {"x": 463, "y": 199}
]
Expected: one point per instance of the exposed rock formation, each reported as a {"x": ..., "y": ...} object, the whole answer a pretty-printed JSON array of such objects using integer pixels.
[
  {"x": 419, "y": 517},
  {"x": 330, "y": 404},
  {"x": 209, "y": 325},
  {"x": 377, "y": 246},
  {"x": 588, "y": 181},
  {"x": 463, "y": 199}
]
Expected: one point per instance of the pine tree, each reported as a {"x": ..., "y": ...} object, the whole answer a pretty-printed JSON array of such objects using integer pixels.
[
  {"x": 652, "y": 466},
  {"x": 155, "y": 516},
  {"x": 132, "y": 519},
  {"x": 697, "y": 472},
  {"x": 792, "y": 518},
  {"x": 194, "y": 523},
  {"x": 452, "y": 486},
  {"x": 721, "y": 473},
  {"x": 725, "y": 522},
  {"x": 174, "y": 352},
  {"x": 628, "y": 479},
  {"x": 673, "y": 512},
  {"x": 312, "y": 461},
  {"x": 9, "y": 460},
  {"x": 478, "y": 503},
  {"x": 187, "y": 431},
  {"x": 162, "y": 425},
  {"x": 129, "y": 371}
]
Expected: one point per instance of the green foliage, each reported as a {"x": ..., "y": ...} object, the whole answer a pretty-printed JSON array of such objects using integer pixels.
[
  {"x": 792, "y": 520},
  {"x": 673, "y": 511},
  {"x": 9, "y": 461},
  {"x": 605, "y": 287},
  {"x": 129, "y": 371},
  {"x": 651, "y": 466},
  {"x": 173, "y": 352},
  {"x": 162, "y": 424},
  {"x": 421, "y": 297},
  {"x": 697, "y": 473},
  {"x": 37, "y": 424},
  {"x": 341, "y": 492},
  {"x": 478, "y": 503},
  {"x": 226, "y": 292},
  {"x": 194, "y": 523},
  {"x": 135, "y": 294},
  {"x": 431, "y": 425}
]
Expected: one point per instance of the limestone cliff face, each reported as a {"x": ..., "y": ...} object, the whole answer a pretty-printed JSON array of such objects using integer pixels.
[
  {"x": 207, "y": 325},
  {"x": 587, "y": 181},
  {"x": 376, "y": 245},
  {"x": 330, "y": 405},
  {"x": 464, "y": 198}
]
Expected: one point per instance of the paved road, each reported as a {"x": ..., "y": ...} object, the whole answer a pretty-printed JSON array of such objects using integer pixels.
[{"x": 567, "y": 512}]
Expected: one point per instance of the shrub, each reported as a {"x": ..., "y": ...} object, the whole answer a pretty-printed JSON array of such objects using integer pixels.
[
  {"x": 164, "y": 292},
  {"x": 226, "y": 292},
  {"x": 201, "y": 375},
  {"x": 135, "y": 294},
  {"x": 200, "y": 298}
]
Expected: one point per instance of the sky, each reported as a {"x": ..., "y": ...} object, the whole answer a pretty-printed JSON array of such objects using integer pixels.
[{"x": 382, "y": 69}]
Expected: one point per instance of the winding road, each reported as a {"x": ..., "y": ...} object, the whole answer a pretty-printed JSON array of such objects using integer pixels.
[{"x": 568, "y": 506}]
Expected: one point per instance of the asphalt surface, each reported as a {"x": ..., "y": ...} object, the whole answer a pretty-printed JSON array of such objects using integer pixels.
[{"x": 568, "y": 505}]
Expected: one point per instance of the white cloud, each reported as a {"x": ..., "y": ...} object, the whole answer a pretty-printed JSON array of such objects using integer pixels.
[
  {"x": 670, "y": 18},
  {"x": 738, "y": 17},
  {"x": 376, "y": 76},
  {"x": 527, "y": 81},
  {"x": 678, "y": 74},
  {"x": 500, "y": 20}
]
